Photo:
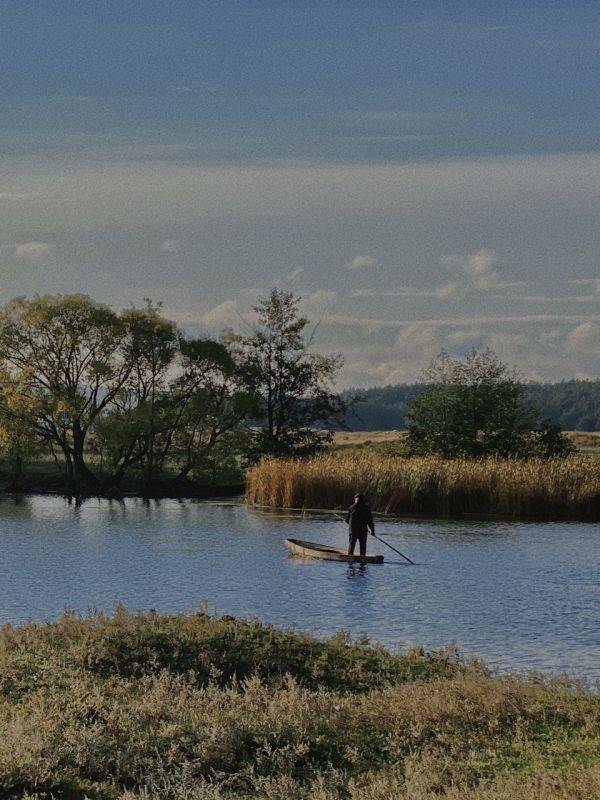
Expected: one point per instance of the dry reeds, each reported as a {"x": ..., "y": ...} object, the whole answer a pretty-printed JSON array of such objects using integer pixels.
[{"x": 548, "y": 489}]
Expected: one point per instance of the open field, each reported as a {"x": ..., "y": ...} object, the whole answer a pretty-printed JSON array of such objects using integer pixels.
[
  {"x": 197, "y": 708},
  {"x": 549, "y": 489},
  {"x": 359, "y": 438},
  {"x": 587, "y": 442}
]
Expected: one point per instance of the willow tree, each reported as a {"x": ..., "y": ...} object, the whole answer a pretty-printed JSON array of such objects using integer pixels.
[
  {"x": 181, "y": 407},
  {"x": 18, "y": 436},
  {"x": 71, "y": 356},
  {"x": 133, "y": 429}
]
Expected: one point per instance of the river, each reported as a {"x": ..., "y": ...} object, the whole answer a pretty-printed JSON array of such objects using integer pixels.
[{"x": 522, "y": 596}]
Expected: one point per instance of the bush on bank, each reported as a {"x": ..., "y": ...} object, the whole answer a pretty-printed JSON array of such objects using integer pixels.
[
  {"x": 172, "y": 707},
  {"x": 566, "y": 488}
]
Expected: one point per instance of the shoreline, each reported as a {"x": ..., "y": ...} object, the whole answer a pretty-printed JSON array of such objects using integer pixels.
[
  {"x": 100, "y": 705},
  {"x": 482, "y": 516},
  {"x": 186, "y": 492},
  {"x": 237, "y": 492}
]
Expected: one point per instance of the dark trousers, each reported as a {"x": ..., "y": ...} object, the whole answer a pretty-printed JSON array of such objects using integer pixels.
[{"x": 361, "y": 538}]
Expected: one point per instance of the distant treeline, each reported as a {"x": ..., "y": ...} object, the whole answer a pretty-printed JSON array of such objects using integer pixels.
[{"x": 574, "y": 405}]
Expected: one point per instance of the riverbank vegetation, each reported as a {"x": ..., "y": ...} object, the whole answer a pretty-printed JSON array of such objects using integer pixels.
[
  {"x": 98, "y": 402},
  {"x": 126, "y": 400},
  {"x": 560, "y": 488},
  {"x": 158, "y": 707}
]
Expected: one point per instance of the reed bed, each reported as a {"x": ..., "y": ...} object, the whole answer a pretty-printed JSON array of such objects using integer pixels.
[{"x": 547, "y": 489}]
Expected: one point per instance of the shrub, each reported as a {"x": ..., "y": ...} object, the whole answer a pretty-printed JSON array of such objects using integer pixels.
[{"x": 111, "y": 708}]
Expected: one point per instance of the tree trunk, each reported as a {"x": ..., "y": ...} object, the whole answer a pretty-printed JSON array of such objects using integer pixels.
[
  {"x": 16, "y": 483},
  {"x": 69, "y": 467},
  {"x": 84, "y": 477}
]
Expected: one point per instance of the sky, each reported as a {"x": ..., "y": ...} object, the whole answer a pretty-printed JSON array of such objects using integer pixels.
[{"x": 425, "y": 175}]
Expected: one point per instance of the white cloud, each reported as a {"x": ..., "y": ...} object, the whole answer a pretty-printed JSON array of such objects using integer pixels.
[
  {"x": 361, "y": 262},
  {"x": 417, "y": 338},
  {"x": 447, "y": 290},
  {"x": 565, "y": 298},
  {"x": 592, "y": 283},
  {"x": 585, "y": 338},
  {"x": 536, "y": 353},
  {"x": 171, "y": 246},
  {"x": 478, "y": 270},
  {"x": 482, "y": 262},
  {"x": 288, "y": 278},
  {"x": 442, "y": 292},
  {"x": 244, "y": 221},
  {"x": 32, "y": 251},
  {"x": 472, "y": 337},
  {"x": 321, "y": 296},
  {"x": 223, "y": 314},
  {"x": 516, "y": 319}
]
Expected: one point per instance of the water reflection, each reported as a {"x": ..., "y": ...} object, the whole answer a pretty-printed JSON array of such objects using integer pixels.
[
  {"x": 356, "y": 570},
  {"x": 520, "y": 595}
]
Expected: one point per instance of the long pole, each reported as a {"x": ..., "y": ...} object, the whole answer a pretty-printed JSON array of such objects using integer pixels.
[
  {"x": 384, "y": 542},
  {"x": 394, "y": 549}
]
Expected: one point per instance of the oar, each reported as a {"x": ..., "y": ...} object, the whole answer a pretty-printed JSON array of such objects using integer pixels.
[
  {"x": 394, "y": 549},
  {"x": 384, "y": 542}
]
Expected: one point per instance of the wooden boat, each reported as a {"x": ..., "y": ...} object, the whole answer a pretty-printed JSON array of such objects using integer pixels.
[{"x": 312, "y": 550}]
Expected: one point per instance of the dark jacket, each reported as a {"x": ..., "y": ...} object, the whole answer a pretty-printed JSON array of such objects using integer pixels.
[{"x": 360, "y": 519}]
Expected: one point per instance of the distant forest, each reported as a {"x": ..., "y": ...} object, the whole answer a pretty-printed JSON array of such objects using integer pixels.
[{"x": 574, "y": 405}]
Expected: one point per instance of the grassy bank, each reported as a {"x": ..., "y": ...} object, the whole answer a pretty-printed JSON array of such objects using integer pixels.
[
  {"x": 195, "y": 708},
  {"x": 556, "y": 489}
]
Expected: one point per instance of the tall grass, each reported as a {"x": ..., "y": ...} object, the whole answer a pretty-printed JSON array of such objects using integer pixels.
[
  {"x": 151, "y": 707},
  {"x": 554, "y": 489}
]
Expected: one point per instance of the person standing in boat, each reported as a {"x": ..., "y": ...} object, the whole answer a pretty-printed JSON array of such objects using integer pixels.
[{"x": 360, "y": 522}]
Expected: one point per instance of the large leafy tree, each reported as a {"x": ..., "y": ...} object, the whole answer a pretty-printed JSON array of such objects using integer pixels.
[
  {"x": 134, "y": 428},
  {"x": 474, "y": 407},
  {"x": 182, "y": 407},
  {"x": 72, "y": 356},
  {"x": 18, "y": 435},
  {"x": 293, "y": 383},
  {"x": 214, "y": 399}
]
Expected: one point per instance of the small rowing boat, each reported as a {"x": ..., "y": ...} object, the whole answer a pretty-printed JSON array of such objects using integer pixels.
[{"x": 312, "y": 550}]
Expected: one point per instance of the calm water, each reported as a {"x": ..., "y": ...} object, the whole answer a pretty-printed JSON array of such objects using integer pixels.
[{"x": 520, "y": 595}]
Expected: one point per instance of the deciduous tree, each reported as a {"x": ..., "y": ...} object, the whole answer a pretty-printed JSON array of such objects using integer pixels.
[
  {"x": 293, "y": 383},
  {"x": 70, "y": 354},
  {"x": 474, "y": 408}
]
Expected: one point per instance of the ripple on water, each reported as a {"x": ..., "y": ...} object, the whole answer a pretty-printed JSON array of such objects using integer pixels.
[{"x": 520, "y": 595}]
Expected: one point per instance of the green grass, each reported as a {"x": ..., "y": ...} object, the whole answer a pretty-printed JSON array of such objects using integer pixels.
[{"x": 192, "y": 707}]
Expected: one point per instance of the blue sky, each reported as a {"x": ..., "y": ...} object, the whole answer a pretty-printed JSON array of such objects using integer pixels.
[{"x": 424, "y": 174}]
